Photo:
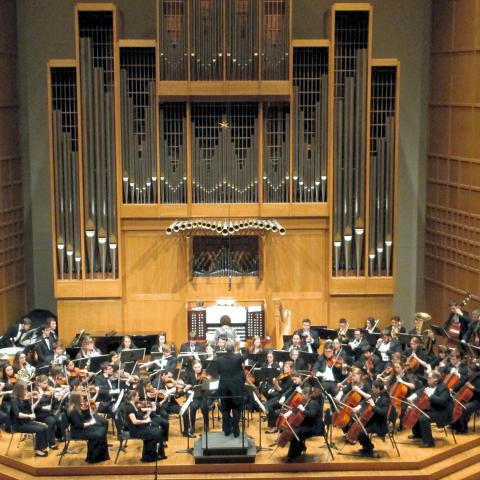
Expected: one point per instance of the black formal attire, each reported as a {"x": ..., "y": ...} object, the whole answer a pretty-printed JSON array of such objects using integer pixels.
[
  {"x": 472, "y": 406},
  {"x": 329, "y": 375},
  {"x": 378, "y": 424},
  {"x": 106, "y": 397},
  {"x": 231, "y": 391},
  {"x": 188, "y": 348},
  {"x": 96, "y": 435},
  {"x": 314, "y": 344},
  {"x": 167, "y": 363},
  {"x": 27, "y": 425},
  {"x": 202, "y": 399},
  {"x": 472, "y": 334},
  {"x": 152, "y": 436},
  {"x": 311, "y": 426},
  {"x": 464, "y": 323},
  {"x": 357, "y": 348},
  {"x": 44, "y": 349},
  {"x": 45, "y": 415},
  {"x": 420, "y": 353},
  {"x": 439, "y": 412},
  {"x": 14, "y": 334},
  {"x": 157, "y": 349},
  {"x": 274, "y": 405}
]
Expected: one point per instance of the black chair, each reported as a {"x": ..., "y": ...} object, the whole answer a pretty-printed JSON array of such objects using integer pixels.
[
  {"x": 123, "y": 435},
  {"x": 67, "y": 439}
]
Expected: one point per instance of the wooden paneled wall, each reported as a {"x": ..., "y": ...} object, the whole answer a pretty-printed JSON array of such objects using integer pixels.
[
  {"x": 12, "y": 267},
  {"x": 453, "y": 178},
  {"x": 157, "y": 286}
]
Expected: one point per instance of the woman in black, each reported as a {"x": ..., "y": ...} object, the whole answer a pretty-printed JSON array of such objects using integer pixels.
[
  {"x": 139, "y": 426},
  {"x": 23, "y": 406},
  {"x": 85, "y": 426}
]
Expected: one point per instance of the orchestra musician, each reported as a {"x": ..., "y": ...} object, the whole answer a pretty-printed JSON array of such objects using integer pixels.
[
  {"x": 231, "y": 389},
  {"x": 193, "y": 345},
  {"x": 472, "y": 335},
  {"x": 310, "y": 337},
  {"x": 161, "y": 342},
  {"x": 297, "y": 362},
  {"x": 328, "y": 369},
  {"x": 15, "y": 333},
  {"x": 52, "y": 324},
  {"x": 257, "y": 346},
  {"x": 295, "y": 343},
  {"x": 87, "y": 348},
  {"x": 395, "y": 326},
  {"x": 439, "y": 411},
  {"x": 126, "y": 344},
  {"x": 59, "y": 354},
  {"x": 342, "y": 329},
  {"x": 140, "y": 425},
  {"x": 44, "y": 347},
  {"x": 456, "y": 324},
  {"x": 371, "y": 325},
  {"x": 378, "y": 423},
  {"x": 23, "y": 406},
  {"x": 357, "y": 344},
  {"x": 312, "y": 424},
  {"x": 107, "y": 390},
  {"x": 386, "y": 346},
  {"x": 415, "y": 354},
  {"x": 85, "y": 425},
  {"x": 472, "y": 382},
  {"x": 226, "y": 330}
]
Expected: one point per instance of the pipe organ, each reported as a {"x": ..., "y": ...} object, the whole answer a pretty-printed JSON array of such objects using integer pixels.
[{"x": 222, "y": 116}]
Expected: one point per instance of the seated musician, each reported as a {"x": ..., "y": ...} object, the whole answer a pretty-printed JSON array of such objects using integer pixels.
[
  {"x": 140, "y": 425},
  {"x": 386, "y": 346},
  {"x": 52, "y": 323},
  {"x": 59, "y": 354},
  {"x": 371, "y": 325},
  {"x": 210, "y": 355},
  {"x": 257, "y": 346},
  {"x": 297, "y": 363},
  {"x": 439, "y": 411},
  {"x": 9, "y": 377},
  {"x": 296, "y": 342},
  {"x": 202, "y": 399},
  {"x": 88, "y": 348},
  {"x": 356, "y": 345},
  {"x": 369, "y": 362},
  {"x": 455, "y": 366},
  {"x": 328, "y": 370},
  {"x": 126, "y": 344},
  {"x": 15, "y": 333},
  {"x": 270, "y": 361},
  {"x": 25, "y": 420},
  {"x": 457, "y": 322},
  {"x": 309, "y": 336},
  {"x": 356, "y": 385},
  {"x": 283, "y": 386},
  {"x": 221, "y": 343},
  {"x": 395, "y": 326},
  {"x": 472, "y": 335},
  {"x": 312, "y": 424},
  {"x": 471, "y": 382},
  {"x": 378, "y": 423},
  {"x": 168, "y": 360},
  {"x": 416, "y": 357},
  {"x": 166, "y": 384},
  {"x": 108, "y": 389},
  {"x": 161, "y": 342},
  {"x": 45, "y": 409},
  {"x": 441, "y": 358},
  {"x": 193, "y": 345},
  {"x": 342, "y": 328},
  {"x": 86, "y": 425},
  {"x": 226, "y": 330}
]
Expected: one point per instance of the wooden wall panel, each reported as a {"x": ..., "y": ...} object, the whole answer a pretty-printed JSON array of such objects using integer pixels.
[
  {"x": 92, "y": 315},
  {"x": 453, "y": 178},
  {"x": 12, "y": 261}
]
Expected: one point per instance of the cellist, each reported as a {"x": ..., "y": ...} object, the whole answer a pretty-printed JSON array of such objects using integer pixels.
[
  {"x": 312, "y": 424},
  {"x": 438, "y": 412},
  {"x": 471, "y": 382},
  {"x": 378, "y": 423}
]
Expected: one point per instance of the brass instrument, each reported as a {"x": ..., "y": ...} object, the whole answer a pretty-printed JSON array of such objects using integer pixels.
[
  {"x": 342, "y": 332},
  {"x": 422, "y": 321},
  {"x": 26, "y": 372},
  {"x": 396, "y": 330}
]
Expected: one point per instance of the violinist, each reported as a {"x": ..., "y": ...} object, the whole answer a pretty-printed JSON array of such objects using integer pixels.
[
  {"x": 438, "y": 412},
  {"x": 378, "y": 422},
  {"x": 24, "y": 419},
  {"x": 108, "y": 389},
  {"x": 256, "y": 347},
  {"x": 140, "y": 425},
  {"x": 193, "y": 345},
  {"x": 312, "y": 424},
  {"x": 88, "y": 349},
  {"x": 328, "y": 370},
  {"x": 9, "y": 377},
  {"x": 283, "y": 385},
  {"x": 469, "y": 407},
  {"x": 45, "y": 408},
  {"x": 85, "y": 426},
  {"x": 309, "y": 336},
  {"x": 201, "y": 399}
]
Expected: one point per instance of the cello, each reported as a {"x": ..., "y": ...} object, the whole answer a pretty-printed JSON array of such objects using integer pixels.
[
  {"x": 462, "y": 397},
  {"x": 292, "y": 419},
  {"x": 358, "y": 425},
  {"x": 416, "y": 409}
]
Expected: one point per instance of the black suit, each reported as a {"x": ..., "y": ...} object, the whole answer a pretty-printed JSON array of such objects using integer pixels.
[
  {"x": 186, "y": 348},
  {"x": 378, "y": 424},
  {"x": 315, "y": 339},
  {"x": 231, "y": 390},
  {"x": 44, "y": 349},
  {"x": 13, "y": 331}
]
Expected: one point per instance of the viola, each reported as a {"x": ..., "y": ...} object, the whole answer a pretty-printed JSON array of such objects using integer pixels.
[
  {"x": 413, "y": 412},
  {"x": 359, "y": 424},
  {"x": 12, "y": 379}
]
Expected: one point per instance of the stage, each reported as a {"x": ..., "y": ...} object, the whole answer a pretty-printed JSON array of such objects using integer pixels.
[{"x": 446, "y": 461}]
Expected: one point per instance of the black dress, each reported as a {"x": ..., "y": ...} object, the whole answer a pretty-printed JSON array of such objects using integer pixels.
[
  {"x": 152, "y": 436},
  {"x": 97, "y": 449},
  {"x": 26, "y": 425}
]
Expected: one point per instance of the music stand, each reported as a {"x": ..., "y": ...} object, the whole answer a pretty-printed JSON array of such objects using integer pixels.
[
  {"x": 263, "y": 410},
  {"x": 308, "y": 358},
  {"x": 439, "y": 331},
  {"x": 81, "y": 362},
  {"x": 182, "y": 411},
  {"x": 134, "y": 355},
  {"x": 281, "y": 355},
  {"x": 327, "y": 333},
  {"x": 372, "y": 338},
  {"x": 256, "y": 358},
  {"x": 95, "y": 362}
]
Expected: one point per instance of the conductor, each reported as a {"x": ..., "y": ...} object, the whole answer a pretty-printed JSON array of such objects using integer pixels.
[{"x": 231, "y": 389}]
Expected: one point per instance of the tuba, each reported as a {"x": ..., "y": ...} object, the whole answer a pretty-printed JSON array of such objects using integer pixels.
[{"x": 422, "y": 327}]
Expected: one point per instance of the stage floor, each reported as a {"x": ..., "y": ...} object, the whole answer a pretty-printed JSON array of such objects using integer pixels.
[{"x": 443, "y": 461}]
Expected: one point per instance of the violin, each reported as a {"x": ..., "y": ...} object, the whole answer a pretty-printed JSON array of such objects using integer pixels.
[
  {"x": 282, "y": 376},
  {"x": 79, "y": 372},
  {"x": 12, "y": 380},
  {"x": 88, "y": 405},
  {"x": 412, "y": 363}
]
